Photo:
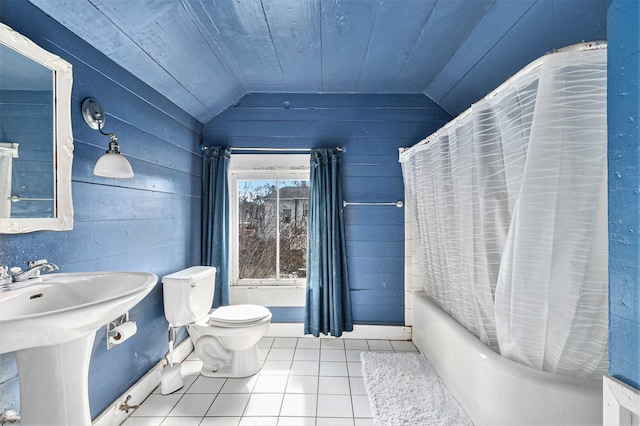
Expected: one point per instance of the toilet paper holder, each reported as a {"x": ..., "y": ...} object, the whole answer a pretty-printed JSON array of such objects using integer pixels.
[{"x": 113, "y": 330}]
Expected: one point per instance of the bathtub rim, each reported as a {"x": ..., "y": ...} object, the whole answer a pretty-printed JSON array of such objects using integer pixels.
[{"x": 494, "y": 390}]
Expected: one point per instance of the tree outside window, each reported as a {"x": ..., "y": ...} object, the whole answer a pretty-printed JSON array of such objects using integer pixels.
[{"x": 272, "y": 221}]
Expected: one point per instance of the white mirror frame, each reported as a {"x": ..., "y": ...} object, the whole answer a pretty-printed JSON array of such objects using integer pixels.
[{"x": 62, "y": 140}]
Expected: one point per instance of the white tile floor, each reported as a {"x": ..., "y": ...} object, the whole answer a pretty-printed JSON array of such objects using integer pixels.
[{"x": 303, "y": 382}]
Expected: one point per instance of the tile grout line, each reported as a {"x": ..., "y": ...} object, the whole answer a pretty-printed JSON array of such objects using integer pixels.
[{"x": 289, "y": 356}]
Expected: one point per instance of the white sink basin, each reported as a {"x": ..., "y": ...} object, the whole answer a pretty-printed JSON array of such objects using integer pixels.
[
  {"x": 51, "y": 327},
  {"x": 65, "y": 306}
]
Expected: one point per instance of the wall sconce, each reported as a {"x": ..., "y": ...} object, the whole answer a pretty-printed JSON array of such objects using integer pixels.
[{"x": 112, "y": 164}]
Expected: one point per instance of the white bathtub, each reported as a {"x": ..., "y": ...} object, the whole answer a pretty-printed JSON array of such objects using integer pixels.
[{"x": 493, "y": 390}]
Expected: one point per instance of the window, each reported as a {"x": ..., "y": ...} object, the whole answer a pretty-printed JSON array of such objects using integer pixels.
[
  {"x": 286, "y": 215},
  {"x": 269, "y": 208},
  {"x": 272, "y": 231}
]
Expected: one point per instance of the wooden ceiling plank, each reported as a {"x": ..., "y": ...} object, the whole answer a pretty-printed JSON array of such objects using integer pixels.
[
  {"x": 346, "y": 31},
  {"x": 395, "y": 33},
  {"x": 525, "y": 41},
  {"x": 498, "y": 21},
  {"x": 294, "y": 26},
  {"x": 118, "y": 45},
  {"x": 240, "y": 31},
  {"x": 447, "y": 28},
  {"x": 197, "y": 68}
]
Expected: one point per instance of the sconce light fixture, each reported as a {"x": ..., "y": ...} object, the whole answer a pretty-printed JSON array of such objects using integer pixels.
[{"x": 112, "y": 164}]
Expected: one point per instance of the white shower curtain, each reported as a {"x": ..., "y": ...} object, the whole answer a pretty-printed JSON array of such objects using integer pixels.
[{"x": 510, "y": 206}]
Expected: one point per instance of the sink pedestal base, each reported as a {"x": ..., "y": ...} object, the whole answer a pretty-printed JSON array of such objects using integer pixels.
[{"x": 54, "y": 383}]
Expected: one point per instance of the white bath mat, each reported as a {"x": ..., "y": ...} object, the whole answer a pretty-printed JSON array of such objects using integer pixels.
[{"x": 405, "y": 390}]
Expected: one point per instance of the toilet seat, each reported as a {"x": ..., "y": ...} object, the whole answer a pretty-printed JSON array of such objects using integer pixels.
[{"x": 237, "y": 315}]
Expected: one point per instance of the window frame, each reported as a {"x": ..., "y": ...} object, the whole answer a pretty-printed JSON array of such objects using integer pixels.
[{"x": 236, "y": 175}]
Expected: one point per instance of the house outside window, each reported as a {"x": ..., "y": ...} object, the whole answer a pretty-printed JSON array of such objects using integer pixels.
[{"x": 269, "y": 208}]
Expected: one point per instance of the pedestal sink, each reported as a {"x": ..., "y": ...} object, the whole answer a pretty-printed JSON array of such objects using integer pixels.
[{"x": 51, "y": 326}]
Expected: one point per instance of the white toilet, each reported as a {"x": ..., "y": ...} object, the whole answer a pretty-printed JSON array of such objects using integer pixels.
[{"x": 224, "y": 339}]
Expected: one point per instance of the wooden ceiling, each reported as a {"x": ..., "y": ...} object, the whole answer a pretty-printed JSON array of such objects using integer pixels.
[{"x": 205, "y": 54}]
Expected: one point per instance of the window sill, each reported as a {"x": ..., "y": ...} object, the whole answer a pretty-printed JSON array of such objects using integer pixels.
[
  {"x": 268, "y": 295},
  {"x": 300, "y": 282}
]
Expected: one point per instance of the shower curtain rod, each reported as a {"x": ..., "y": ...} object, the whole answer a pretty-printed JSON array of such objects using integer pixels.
[
  {"x": 398, "y": 203},
  {"x": 585, "y": 46},
  {"x": 270, "y": 150}
]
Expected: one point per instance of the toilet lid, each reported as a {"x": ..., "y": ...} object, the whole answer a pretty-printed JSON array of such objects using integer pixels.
[{"x": 238, "y": 314}]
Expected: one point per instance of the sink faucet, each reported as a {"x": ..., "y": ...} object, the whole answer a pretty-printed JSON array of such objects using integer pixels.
[
  {"x": 35, "y": 267},
  {"x": 9, "y": 278}
]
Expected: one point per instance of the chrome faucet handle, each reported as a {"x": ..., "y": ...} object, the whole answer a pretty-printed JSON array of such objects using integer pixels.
[
  {"x": 34, "y": 263},
  {"x": 41, "y": 265}
]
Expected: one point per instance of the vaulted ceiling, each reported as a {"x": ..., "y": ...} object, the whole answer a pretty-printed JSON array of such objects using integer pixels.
[{"x": 205, "y": 54}]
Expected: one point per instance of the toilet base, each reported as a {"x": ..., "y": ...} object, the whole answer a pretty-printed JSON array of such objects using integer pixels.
[
  {"x": 243, "y": 364},
  {"x": 228, "y": 351}
]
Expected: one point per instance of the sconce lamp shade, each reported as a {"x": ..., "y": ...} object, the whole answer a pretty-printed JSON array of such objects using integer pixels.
[{"x": 113, "y": 165}]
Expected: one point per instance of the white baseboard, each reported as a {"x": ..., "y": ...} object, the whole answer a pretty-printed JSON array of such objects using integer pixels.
[
  {"x": 384, "y": 332},
  {"x": 144, "y": 387},
  {"x": 621, "y": 403}
]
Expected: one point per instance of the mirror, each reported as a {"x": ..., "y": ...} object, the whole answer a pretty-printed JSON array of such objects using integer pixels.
[{"x": 36, "y": 141}]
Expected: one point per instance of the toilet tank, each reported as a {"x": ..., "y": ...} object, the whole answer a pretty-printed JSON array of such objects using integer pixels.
[{"x": 188, "y": 294}]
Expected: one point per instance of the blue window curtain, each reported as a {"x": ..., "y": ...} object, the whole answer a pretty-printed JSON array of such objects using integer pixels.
[
  {"x": 215, "y": 218},
  {"x": 328, "y": 301}
]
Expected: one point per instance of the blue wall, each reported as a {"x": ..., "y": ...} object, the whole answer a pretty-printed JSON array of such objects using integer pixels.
[
  {"x": 27, "y": 116},
  {"x": 149, "y": 223},
  {"x": 372, "y": 127},
  {"x": 624, "y": 195}
]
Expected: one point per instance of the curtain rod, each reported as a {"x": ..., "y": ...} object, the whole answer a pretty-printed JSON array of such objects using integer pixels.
[
  {"x": 398, "y": 203},
  {"x": 240, "y": 149}
]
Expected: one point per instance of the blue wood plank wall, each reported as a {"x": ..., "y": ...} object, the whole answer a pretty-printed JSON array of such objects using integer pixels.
[
  {"x": 372, "y": 127},
  {"x": 624, "y": 199},
  {"x": 27, "y": 118},
  {"x": 149, "y": 223}
]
